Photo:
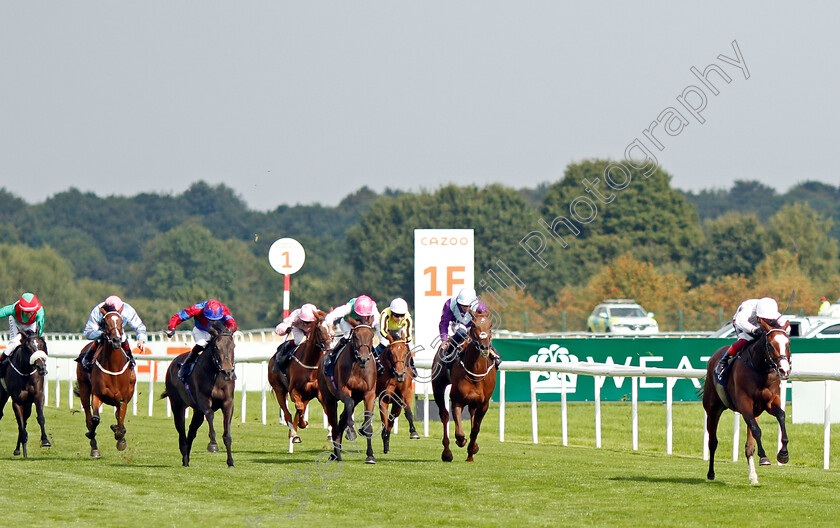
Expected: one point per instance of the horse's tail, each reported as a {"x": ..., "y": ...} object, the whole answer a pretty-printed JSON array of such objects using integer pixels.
[
  {"x": 76, "y": 389},
  {"x": 163, "y": 395},
  {"x": 702, "y": 389}
]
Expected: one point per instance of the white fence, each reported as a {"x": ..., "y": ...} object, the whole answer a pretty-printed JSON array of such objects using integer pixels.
[{"x": 254, "y": 349}]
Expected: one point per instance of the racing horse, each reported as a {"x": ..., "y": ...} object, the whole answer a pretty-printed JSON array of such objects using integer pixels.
[
  {"x": 24, "y": 384},
  {"x": 354, "y": 372},
  {"x": 395, "y": 388},
  {"x": 752, "y": 386},
  {"x": 301, "y": 379},
  {"x": 111, "y": 381},
  {"x": 473, "y": 378},
  {"x": 208, "y": 388}
]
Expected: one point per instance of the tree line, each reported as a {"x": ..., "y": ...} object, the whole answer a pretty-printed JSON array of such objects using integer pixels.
[{"x": 692, "y": 254}]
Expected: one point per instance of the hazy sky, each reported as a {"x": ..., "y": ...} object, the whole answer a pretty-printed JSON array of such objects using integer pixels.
[{"x": 298, "y": 102}]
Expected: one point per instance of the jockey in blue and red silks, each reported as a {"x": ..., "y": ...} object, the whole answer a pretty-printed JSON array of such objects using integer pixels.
[
  {"x": 456, "y": 318},
  {"x": 204, "y": 314}
]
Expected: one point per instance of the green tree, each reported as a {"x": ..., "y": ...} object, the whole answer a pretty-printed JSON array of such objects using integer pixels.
[
  {"x": 804, "y": 232},
  {"x": 732, "y": 246}
]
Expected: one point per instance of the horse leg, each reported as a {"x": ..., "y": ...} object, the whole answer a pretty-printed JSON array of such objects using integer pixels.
[
  {"x": 712, "y": 420},
  {"x": 386, "y": 425},
  {"x": 457, "y": 411},
  {"x": 300, "y": 407},
  {"x": 282, "y": 399},
  {"x": 347, "y": 420},
  {"x": 195, "y": 423},
  {"x": 776, "y": 410},
  {"x": 212, "y": 446},
  {"x": 477, "y": 415},
  {"x": 367, "y": 426},
  {"x": 39, "y": 413},
  {"x": 178, "y": 413},
  {"x": 21, "y": 415},
  {"x": 227, "y": 411},
  {"x": 408, "y": 399},
  {"x": 331, "y": 410},
  {"x": 94, "y": 423},
  {"x": 119, "y": 428},
  {"x": 753, "y": 438},
  {"x": 439, "y": 389}
]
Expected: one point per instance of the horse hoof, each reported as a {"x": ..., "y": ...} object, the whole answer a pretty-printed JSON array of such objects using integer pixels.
[
  {"x": 46, "y": 443},
  {"x": 446, "y": 458},
  {"x": 17, "y": 452},
  {"x": 114, "y": 428},
  {"x": 121, "y": 445},
  {"x": 460, "y": 442},
  {"x": 350, "y": 435},
  {"x": 414, "y": 435},
  {"x": 370, "y": 460},
  {"x": 764, "y": 461},
  {"x": 296, "y": 440},
  {"x": 469, "y": 458},
  {"x": 710, "y": 475},
  {"x": 783, "y": 457},
  {"x": 212, "y": 447},
  {"x": 94, "y": 453},
  {"x": 476, "y": 449}
]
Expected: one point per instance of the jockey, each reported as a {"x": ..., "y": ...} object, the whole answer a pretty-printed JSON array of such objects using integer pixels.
[
  {"x": 93, "y": 330},
  {"x": 747, "y": 325},
  {"x": 456, "y": 318},
  {"x": 203, "y": 314},
  {"x": 359, "y": 310},
  {"x": 25, "y": 314},
  {"x": 299, "y": 323},
  {"x": 395, "y": 318}
]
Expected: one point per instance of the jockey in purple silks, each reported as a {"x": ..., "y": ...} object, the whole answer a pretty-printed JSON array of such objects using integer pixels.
[{"x": 457, "y": 319}]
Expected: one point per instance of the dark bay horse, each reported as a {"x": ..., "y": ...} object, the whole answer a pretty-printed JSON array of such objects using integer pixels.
[
  {"x": 355, "y": 380},
  {"x": 111, "y": 381},
  {"x": 752, "y": 387},
  {"x": 209, "y": 388},
  {"x": 24, "y": 383},
  {"x": 301, "y": 382},
  {"x": 473, "y": 378},
  {"x": 395, "y": 388}
]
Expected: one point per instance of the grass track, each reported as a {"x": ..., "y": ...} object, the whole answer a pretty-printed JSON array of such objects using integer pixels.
[{"x": 514, "y": 483}]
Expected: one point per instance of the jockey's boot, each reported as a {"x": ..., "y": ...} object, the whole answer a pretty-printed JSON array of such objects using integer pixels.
[
  {"x": 127, "y": 349},
  {"x": 341, "y": 342},
  {"x": 377, "y": 351},
  {"x": 723, "y": 365},
  {"x": 87, "y": 359},
  {"x": 285, "y": 350},
  {"x": 186, "y": 368},
  {"x": 411, "y": 366},
  {"x": 497, "y": 359}
]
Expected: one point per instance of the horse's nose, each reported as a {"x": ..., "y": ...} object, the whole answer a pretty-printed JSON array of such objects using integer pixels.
[{"x": 401, "y": 377}]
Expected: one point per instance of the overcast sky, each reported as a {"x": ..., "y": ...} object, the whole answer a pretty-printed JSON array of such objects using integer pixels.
[{"x": 302, "y": 102}]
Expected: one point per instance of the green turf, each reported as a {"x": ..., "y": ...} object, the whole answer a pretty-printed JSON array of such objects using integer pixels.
[{"x": 515, "y": 483}]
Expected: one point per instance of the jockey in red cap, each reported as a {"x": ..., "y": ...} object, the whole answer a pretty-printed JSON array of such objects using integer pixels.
[
  {"x": 204, "y": 314},
  {"x": 25, "y": 314}
]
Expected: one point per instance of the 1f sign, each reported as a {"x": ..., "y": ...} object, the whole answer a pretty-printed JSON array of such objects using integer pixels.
[{"x": 443, "y": 264}]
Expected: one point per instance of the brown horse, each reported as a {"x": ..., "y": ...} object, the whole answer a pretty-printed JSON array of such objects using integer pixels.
[
  {"x": 395, "y": 388},
  {"x": 473, "y": 378},
  {"x": 110, "y": 381},
  {"x": 354, "y": 372},
  {"x": 752, "y": 387},
  {"x": 209, "y": 388},
  {"x": 301, "y": 380},
  {"x": 24, "y": 383}
]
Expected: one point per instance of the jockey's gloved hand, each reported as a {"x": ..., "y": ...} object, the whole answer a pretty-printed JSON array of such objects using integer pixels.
[{"x": 169, "y": 333}]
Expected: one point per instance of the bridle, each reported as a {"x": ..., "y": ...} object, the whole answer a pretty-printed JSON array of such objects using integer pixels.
[
  {"x": 772, "y": 361},
  {"x": 362, "y": 361},
  {"x": 32, "y": 351},
  {"x": 321, "y": 344},
  {"x": 216, "y": 359},
  {"x": 395, "y": 362}
]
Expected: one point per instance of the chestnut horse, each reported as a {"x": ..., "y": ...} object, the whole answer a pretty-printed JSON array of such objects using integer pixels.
[
  {"x": 473, "y": 378},
  {"x": 354, "y": 372},
  {"x": 24, "y": 383},
  {"x": 752, "y": 387},
  {"x": 301, "y": 379},
  {"x": 110, "y": 381},
  {"x": 209, "y": 388},
  {"x": 395, "y": 388}
]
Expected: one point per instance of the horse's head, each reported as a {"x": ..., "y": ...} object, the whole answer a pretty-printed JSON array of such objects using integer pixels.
[
  {"x": 36, "y": 347},
  {"x": 111, "y": 327},
  {"x": 481, "y": 332},
  {"x": 361, "y": 340},
  {"x": 222, "y": 344},
  {"x": 777, "y": 347},
  {"x": 319, "y": 334},
  {"x": 398, "y": 350}
]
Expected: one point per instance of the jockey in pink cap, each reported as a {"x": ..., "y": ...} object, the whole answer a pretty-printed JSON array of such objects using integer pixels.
[
  {"x": 299, "y": 323},
  {"x": 93, "y": 330},
  {"x": 359, "y": 310}
]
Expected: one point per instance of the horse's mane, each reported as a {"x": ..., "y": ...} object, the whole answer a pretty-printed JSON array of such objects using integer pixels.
[{"x": 218, "y": 328}]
